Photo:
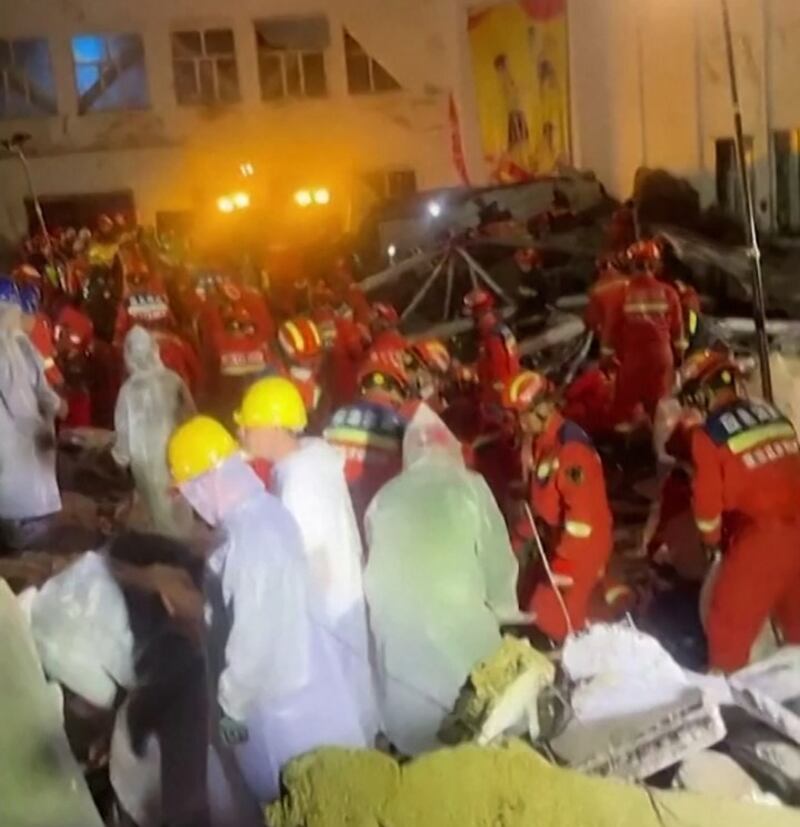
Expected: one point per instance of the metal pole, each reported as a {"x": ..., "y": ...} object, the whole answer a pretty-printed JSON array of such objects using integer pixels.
[
  {"x": 37, "y": 208},
  {"x": 759, "y": 306}
]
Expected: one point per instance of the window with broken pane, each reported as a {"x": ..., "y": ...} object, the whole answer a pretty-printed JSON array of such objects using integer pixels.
[
  {"x": 110, "y": 72},
  {"x": 204, "y": 67},
  {"x": 365, "y": 75},
  {"x": 291, "y": 57},
  {"x": 27, "y": 86}
]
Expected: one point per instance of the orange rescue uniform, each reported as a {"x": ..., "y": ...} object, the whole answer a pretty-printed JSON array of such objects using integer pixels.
[
  {"x": 498, "y": 361},
  {"x": 746, "y": 487},
  {"x": 645, "y": 332},
  {"x": 568, "y": 492},
  {"x": 605, "y": 298}
]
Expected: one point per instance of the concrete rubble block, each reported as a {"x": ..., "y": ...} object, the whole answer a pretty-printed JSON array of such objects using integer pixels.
[{"x": 635, "y": 712}]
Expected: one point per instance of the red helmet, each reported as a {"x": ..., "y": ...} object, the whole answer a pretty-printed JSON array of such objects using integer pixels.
[
  {"x": 522, "y": 390},
  {"x": 433, "y": 355},
  {"x": 26, "y": 274},
  {"x": 478, "y": 301},
  {"x": 644, "y": 255},
  {"x": 714, "y": 369},
  {"x": 387, "y": 378},
  {"x": 300, "y": 339}
]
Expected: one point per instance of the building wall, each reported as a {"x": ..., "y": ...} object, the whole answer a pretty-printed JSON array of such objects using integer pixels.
[
  {"x": 650, "y": 87},
  {"x": 175, "y": 157}
]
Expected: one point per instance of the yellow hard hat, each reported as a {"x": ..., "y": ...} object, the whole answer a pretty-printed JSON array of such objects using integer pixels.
[
  {"x": 273, "y": 402},
  {"x": 197, "y": 446}
]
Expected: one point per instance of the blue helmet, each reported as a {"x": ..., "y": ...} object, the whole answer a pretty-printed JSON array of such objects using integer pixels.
[
  {"x": 30, "y": 298},
  {"x": 9, "y": 294}
]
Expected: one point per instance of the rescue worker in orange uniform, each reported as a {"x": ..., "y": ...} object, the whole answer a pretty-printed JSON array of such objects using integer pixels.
[
  {"x": 605, "y": 296},
  {"x": 498, "y": 356},
  {"x": 74, "y": 339},
  {"x": 429, "y": 365},
  {"x": 646, "y": 335},
  {"x": 346, "y": 356},
  {"x": 745, "y": 498},
  {"x": 370, "y": 432},
  {"x": 347, "y": 290},
  {"x": 40, "y": 331},
  {"x": 383, "y": 326},
  {"x": 677, "y": 274},
  {"x": 568, "y": 493},
  {"x": 301, "y": 345}
]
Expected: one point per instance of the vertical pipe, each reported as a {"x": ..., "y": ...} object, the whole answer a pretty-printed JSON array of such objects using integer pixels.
[{"x": 759, "y": 310}]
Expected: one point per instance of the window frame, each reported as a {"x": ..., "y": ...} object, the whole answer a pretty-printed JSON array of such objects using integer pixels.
[
  {"x": 205, "y": 58},
  {"x": 109, "y": 59},
  {"x": 358, "y": 51},
  {"x": 18, "y": 69}
]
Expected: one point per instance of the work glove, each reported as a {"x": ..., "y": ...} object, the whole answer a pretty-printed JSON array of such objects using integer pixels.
[{"x": 232, "y": 732}]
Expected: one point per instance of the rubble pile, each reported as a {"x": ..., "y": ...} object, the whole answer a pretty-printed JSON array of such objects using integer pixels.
[{"x": 471, "y": 786}]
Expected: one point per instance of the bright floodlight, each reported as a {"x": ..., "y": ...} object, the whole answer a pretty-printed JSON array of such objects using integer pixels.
[
  {"x": 322, "y": 196},
  {"x": 225, "y": 204},
  {"x": 303, "y": 198},
  {"x": 391, "y": 251},
  {"x": 435, "y": 209},
  {"x": 241, "y": 200},
  {"x": 246, "y": 169}
]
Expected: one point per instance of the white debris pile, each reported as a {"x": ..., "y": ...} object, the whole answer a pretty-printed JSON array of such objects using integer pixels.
[
  {"x": 635, "y": 711},
  {"x": 716, "y": 774}
]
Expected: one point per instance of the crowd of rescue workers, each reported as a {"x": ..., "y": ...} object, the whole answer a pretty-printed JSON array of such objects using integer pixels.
[{"x": 294, "y": 416}]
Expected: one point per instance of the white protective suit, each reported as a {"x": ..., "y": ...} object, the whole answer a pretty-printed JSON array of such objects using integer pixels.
[
  {"x": 41, "y": 783},
  {"x": 312, "y": 485},
  {"x": 440, "y": 578},
  {"x": 28, "y": 406},
  {"x": 277, "y": 670},
  {"x": 151, "y": 403}
]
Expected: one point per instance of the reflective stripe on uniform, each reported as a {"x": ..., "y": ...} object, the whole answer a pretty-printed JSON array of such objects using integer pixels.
[
  {"x": 353, "y": 436},
  {"x": 516, "y": 384},
  {"x": 646, "y": 307},
  {"x": 613, "y": 594},
  {"x": 296, "y": 337},
  {"x": 755, "y": 436},
  {"x": 577, "y": 529},
  {"x": 315, "y": 334},
  {"x": 693, "y": 319},
  {"x": 707, "y": 526}
]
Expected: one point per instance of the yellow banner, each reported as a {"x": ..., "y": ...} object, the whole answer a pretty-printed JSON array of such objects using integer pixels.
[{"x": 520, "y": 61}]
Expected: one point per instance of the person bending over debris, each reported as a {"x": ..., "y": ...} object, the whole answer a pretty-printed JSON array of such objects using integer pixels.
[
  {"x": 440, "y": 580},
  {"x": 568, "y": 492},
  {"x": 747, "y": 480},
  {"x": 151, "y": 403},
  {"x": 280, "y": 688},
  {"x": 308, "y": 478}
]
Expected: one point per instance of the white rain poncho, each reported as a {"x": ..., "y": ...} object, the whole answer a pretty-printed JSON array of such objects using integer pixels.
[
  {"x": 80, "y": 623},
  {"x": 276, "y": 668},
  {"x": 312, "y": 485},
  {"x": 41, "y": 784},
  {"x": 28, "y": 487},
  {"x": 440, "y": 579},
  {"x": 151, "y": 403}
]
